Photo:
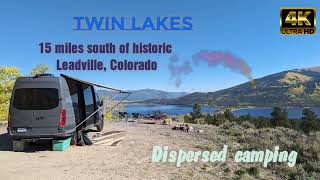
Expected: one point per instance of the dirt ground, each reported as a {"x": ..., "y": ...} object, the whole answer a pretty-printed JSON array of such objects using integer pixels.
[{"x": 130, "y": 159}]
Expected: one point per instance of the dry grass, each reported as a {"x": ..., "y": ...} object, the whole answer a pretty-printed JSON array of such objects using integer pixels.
[
  {"x": 132, "y": 157},
  {"x": 295, "y": 91},
  {"x": 292, "y": 78},
  {"x": 316, "y": 91}
]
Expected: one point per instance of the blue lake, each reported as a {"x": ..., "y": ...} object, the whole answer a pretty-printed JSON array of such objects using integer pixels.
[
  {"x": 175, "y": 109},
  {"x": 168, "y": 109}
]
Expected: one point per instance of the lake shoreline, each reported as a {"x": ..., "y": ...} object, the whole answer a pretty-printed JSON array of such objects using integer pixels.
[
  {"x": 178, "y": 110},
  {"x": 203, "y": 105}
]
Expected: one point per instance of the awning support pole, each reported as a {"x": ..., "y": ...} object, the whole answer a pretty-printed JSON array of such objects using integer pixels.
[{"x": 128, "y": 94}]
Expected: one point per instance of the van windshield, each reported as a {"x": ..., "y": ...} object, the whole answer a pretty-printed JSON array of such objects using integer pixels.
[{"x": 36, "y": 98}]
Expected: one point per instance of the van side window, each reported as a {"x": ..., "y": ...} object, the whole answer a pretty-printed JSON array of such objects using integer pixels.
[
  {"x": 97, "y": 100},
  {"x": 88, "y": 100},
  {"x": 74, "y": 99},
  {"x": 75, "y": 105}
]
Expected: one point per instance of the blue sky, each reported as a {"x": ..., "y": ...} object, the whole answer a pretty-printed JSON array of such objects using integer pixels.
[{"x": 247, "y": 28}]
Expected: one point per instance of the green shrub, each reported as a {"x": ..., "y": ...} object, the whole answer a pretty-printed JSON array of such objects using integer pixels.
[
  {"x": 253, "y": 171},
  {"x": 240, "y": 172},
  {"x": 199, "y": 121},
  {"x": 247, "y": 125},
  {"x": 204, "y": 147}
]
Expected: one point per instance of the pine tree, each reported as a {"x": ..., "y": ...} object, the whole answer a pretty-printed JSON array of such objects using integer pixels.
[
  {"x": 279, "y": 117},
  {"x": 228, "y": 114},
  {"x": 196, "y": 111},
  {"x": 309, "y": 121}
]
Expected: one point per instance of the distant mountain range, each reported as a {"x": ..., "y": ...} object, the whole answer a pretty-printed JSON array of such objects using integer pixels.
[
  {"x": 298, "y": 88},
  {"x": 144, "y": 94}
]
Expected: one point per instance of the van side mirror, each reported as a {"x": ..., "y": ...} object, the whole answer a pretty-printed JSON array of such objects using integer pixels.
[{"x": 100, "y": 103}]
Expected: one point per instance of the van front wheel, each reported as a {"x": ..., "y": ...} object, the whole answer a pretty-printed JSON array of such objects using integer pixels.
[{"x": 100, "y": 125}]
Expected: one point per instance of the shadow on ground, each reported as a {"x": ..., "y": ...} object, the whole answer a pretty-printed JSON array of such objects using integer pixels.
[
  {"x": 5, "y": 142},
  {"x": 41, "y": 145}
]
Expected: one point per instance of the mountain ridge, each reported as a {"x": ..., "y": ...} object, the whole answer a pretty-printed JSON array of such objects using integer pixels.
[
  {"x": 298, "y": 87},
  {"x": 144, "y": 94}
]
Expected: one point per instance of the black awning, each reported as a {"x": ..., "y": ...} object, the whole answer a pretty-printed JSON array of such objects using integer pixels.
[{"x": 94, "y": 84}]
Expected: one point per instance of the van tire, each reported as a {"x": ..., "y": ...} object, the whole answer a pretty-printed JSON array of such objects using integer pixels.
[
  {"x": 18, "y": 145},
  {"x": 100, "y": 125}
]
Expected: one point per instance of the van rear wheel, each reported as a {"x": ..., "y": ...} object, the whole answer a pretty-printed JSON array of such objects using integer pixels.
[{"x": 100, "y": 125}]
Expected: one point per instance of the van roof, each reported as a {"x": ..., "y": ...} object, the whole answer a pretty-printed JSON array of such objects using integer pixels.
[
  {"x": 51, "y": 78},
  {"x": 37, "y": 79}
]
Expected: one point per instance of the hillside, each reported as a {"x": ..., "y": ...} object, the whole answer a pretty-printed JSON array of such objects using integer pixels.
[
  {"x": 299, "y": 87},
  {"x": 145, "y": 94}
]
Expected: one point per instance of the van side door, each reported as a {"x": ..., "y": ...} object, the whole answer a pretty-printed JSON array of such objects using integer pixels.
[
  {"x": 98, "y": 104},
  {"x": 88, "y": 94}
]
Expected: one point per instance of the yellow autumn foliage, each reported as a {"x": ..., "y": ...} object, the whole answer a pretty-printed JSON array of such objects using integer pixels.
[
  {"x": 293, "y": 78},
  {"x": 8, "y": 75}
]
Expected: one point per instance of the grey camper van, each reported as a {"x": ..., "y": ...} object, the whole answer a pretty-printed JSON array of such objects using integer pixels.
[{"x": 50, "y": 107}]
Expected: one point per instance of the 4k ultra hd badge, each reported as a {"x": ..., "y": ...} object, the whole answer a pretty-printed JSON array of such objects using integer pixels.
[{"x": 297, "y": 21}]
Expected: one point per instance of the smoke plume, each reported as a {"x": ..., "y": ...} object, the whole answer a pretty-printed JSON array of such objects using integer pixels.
[
  {"x": 213, "y": 59},
  {"x": 178, "y": 70}
]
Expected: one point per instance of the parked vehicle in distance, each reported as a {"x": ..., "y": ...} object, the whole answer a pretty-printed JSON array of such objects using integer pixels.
[{"x": 50, "y": 107}]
